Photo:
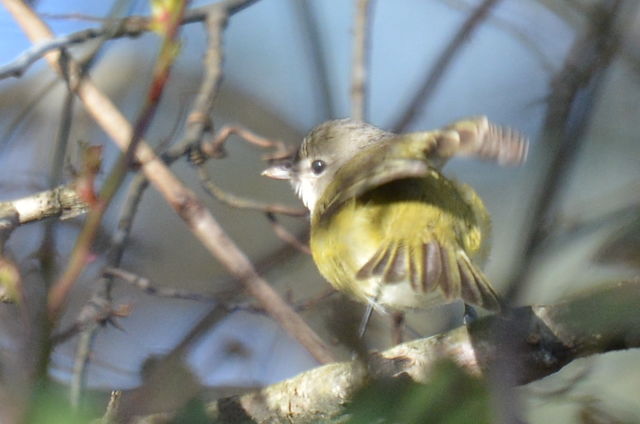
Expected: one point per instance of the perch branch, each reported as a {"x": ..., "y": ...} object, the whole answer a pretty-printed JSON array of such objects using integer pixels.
[{"x": 545, "y": 338}]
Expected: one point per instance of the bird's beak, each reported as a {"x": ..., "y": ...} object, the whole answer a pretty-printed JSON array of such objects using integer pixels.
[{"x": 281, "y": 171}]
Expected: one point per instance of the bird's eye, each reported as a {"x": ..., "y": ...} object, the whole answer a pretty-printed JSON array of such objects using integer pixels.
[{"x": 317, "y": 166}]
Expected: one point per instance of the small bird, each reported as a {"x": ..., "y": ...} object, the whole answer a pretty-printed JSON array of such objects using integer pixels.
[{"x": 387, "y": 227}]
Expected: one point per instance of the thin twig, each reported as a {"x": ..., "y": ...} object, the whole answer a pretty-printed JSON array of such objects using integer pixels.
[
  {"x": 318, "y": 69},
  {"x": 131, "y": 26},
  {"x": 94, "y": 314},
  {"x": 424, "y": 93},
  {"x": 147, "y": 286},
  {"x": 514, "y": 30},
  {"x": 37, "y": 51},
  {"x": 98, "y": 309},
  {"x": 183, "y": 200},
  {"x": 285, "y": 235},
  {"x": 360, "y": 60},
  {"x": 74, "y": 73},
  {"x": 38, "y": 96},
  {"x": 215, "y": 147},
  {"x": 62, "y": 202},
  {"x": 243, "y": 203},
  {"x": 199, "y": 121}
]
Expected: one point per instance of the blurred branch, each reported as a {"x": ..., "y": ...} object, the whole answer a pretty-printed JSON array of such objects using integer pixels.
[
  {"x": 285, "y": 235},
  {"x": 545, "y": 338},
  {"x": 424, "y": 93},
  {"x": 132, "y": 26},
  {"x": 199, "y": 121},
  {"x": 360, "y": 59},
  {"x": 102, "y": 314},
  {"x": 74, "y": 73},
  {"x": 512, "y": 29},
  {"x": 197, "y": 217},
  {"x": 148, "y": 287},
  {"x": 573, "y": 95},
  {"x": 318, "y": 61},
  {"x": 38, "y": 96},
  {"x": 62, "y": 202},
  {"x": 95, "y": 313},
  {"x": 37, "y": 51},
  {"x": 243, "y": 203},
  {"x": 215, "y": 147}
]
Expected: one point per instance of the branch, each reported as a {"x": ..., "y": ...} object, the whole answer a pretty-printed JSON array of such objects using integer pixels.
[
  {"x": 444, "y": 60},
  {"x": 573, "y": 96},
  {"x": 35, "y": 52},
  {"x": 131, "y": 26},
  {"x": 546, "y": 338},
  {"x": 360, "y": 60},
  {"x": 62, "y": 201},
  {"x": 188, "y": 206}
]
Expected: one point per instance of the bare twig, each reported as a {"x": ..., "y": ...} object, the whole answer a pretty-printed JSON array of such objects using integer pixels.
[
  {"x": 199, "y": 121},
  {"x": 98, "y": 309},
  {"x": 243, "y": 203},
  {"x": 148, "y": 287},
  {"x": 35, "y": 52},
  {"x": 113, "y": 28},
  {"x": 422, "y": 96},
  {"x": 73, "y": 71},
  {"x": 318, "y": 62},
  {"x": 514, "y": 30},
  {"x": 215, "y": 147},
  {"x": 285, "y": 235},
  {"x": 183, "y": 200},
  {"x": 573, "y": 95},
  {"x": 96, "y": 313},
  {"x": 112, "y": 407},
  {"x": 360, "y": 60},
  {"x": 12, "y": 126},
  {"x": 62, "y": 202}
]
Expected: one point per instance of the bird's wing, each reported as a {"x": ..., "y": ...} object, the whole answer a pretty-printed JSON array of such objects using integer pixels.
[
  {"x": 416, "y": 154},
  {"x": 477, "y": 137},
  {"x": 432, "y": 266}
]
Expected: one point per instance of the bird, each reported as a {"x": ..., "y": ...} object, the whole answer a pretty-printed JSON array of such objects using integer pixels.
[{"x": 388, "y": 228}]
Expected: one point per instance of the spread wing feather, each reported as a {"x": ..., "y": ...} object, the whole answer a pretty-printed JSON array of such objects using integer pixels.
[
  {"x": 416, "y": 154},
  {"x": 432, "y": 266}
]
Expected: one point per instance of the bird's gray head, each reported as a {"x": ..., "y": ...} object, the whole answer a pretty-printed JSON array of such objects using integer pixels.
[{"x": 322, "y": 153}]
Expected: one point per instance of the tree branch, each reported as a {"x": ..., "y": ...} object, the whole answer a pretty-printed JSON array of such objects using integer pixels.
[
  {"x": 188, "y": 206},
  {"x": 445, "y": 59},
  {"x": 545, "y": 338}
]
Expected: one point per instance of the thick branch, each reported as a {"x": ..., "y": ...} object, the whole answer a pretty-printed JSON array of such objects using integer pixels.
[
  {"x": 546, "y": 338},
  {"x": 62, "y": 201}
]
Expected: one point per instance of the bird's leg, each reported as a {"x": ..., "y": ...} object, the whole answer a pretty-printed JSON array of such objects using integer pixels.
[
  {"x": 397, "y": 330},
  {"x": 362, "y": 329},
  {"x": 470, "y": 314}
]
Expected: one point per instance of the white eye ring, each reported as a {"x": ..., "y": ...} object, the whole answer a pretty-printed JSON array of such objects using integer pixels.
[{"x": 318, "y": 166}]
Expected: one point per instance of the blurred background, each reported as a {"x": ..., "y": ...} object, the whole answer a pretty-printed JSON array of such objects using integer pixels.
[{"x": 287, "y": 67}]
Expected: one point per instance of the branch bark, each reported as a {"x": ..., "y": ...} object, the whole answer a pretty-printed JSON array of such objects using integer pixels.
[
  {"x": 545, "y": 339},
  {"x": 61, "y": 201}
]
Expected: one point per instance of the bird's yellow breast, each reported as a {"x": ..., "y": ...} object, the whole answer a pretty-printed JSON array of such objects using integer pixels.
[{"x": 402, "y": 216}]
